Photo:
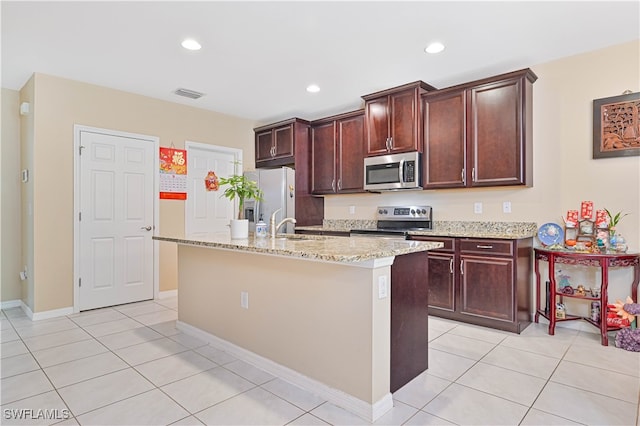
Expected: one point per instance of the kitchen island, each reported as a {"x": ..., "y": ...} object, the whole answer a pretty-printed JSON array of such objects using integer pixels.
[{"x": 314, "y": 310}]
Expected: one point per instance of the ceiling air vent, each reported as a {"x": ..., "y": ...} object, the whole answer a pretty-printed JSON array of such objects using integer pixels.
[{"x": 188, "y": 93}]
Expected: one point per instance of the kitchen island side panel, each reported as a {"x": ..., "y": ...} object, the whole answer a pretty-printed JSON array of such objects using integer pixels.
[{"x": 323, "y": 320}]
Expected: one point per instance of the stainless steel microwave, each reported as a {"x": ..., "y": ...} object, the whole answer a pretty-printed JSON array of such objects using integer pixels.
[{"x": 393, "y": 172}]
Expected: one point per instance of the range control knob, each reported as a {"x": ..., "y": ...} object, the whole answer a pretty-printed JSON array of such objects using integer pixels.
[
  {"x": 424, "y": 211},
  {"x": 413, "y": 211},
  {"x": 380, "y": 211}
]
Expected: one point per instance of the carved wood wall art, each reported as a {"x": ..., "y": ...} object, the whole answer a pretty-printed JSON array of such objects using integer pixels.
[{"x": 616, "y": 126}]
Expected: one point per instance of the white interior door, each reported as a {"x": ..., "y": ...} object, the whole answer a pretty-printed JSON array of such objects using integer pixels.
[
  {"x": 116, "y": 219},
  {"x": 208, "y": 211}
]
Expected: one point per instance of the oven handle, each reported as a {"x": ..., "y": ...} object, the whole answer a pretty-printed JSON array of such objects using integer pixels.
[{"x": 401, "y": 172}]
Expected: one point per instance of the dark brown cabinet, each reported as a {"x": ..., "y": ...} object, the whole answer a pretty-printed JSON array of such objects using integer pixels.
[
  {"x": 337, "y": 146},
  {"x": 479, "y": 133},
  {"x": 441, "y": 276},
  {"x": 481, "y": 281},
  {"x": 393, "y": 119},
  {"x": 287, "y": 143},
  {"x": 275, "y": 143}
]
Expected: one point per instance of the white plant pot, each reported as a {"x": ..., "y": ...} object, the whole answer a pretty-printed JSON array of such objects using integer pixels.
[{"x": 239, "y": 229}]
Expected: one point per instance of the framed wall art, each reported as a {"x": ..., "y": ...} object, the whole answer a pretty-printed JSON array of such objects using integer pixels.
[{"x": 616, "y": 126}]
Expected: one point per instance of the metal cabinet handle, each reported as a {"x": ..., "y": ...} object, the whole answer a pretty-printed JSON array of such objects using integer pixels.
[
  {"x": 333, "y": 185},
  {"x": 146, "y": 228},
  {"x": 464, "y": 179},
  {"x": 480, "y": 246},
  {"x": 473, "y": 174},
  {"x": 339, "y": 184},
  {"x": 451, "y": 265},
  {"x": 390, "y": 143},
  {"x": 461, "y": 268}
]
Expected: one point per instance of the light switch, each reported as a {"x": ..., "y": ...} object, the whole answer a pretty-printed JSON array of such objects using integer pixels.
[
  {"x": 477, "y": 207},
  {"x": 506, "y": 207},
  {"x": 352, "y": 209}
]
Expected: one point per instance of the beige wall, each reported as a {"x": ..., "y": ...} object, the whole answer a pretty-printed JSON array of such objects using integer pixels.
[
  {"x": 10, "y": 250},
  {"x": 59, "y": 105},
  {"x": 564, "y": 172}
]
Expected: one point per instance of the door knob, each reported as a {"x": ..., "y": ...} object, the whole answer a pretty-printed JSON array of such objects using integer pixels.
[{"x": 146, "y": 228}]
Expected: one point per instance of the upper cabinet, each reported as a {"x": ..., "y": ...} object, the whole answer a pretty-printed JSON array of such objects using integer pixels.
[
  {"x": 275, "y": 143},
  {"x": 479, "y": 133},
  {"x": 337, "y": 147},
  {"x": 393, "y": 119}
]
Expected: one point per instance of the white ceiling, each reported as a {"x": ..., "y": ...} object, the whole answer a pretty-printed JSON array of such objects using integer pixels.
[{"x": 258, "y": 57}]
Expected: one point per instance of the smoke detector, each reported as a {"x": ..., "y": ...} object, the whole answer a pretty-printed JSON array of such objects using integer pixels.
[{"x": 192, "y": 94}]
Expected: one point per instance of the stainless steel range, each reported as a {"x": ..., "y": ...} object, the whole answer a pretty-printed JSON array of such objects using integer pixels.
[{"x": 397, "y": 221}]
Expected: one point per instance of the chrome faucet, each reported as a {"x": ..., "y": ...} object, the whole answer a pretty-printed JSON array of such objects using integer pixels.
[{"x": 273, "y": 228}]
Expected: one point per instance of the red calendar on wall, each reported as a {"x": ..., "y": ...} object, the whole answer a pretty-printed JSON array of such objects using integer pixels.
[{"x": 173, "y": 174}]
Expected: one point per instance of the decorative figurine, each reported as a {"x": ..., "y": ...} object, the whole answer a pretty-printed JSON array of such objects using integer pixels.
[
  {"x": 564, "y": 280},
  {"x": 628, "y": 338}
]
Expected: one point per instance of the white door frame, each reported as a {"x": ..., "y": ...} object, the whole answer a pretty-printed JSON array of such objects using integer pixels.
[
  {"x": 237, "y": 154},
  {"x": 77, "y": 129}
]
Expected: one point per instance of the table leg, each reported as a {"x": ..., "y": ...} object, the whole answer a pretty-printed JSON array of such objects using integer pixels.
[
  {"x": 552, "y": 293},
  {"x": 604, "y": 300},
  {"x": 537, "y": 272}
]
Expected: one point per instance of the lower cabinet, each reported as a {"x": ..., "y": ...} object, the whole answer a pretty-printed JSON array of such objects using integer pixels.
[{"x": 486, "y": 282}]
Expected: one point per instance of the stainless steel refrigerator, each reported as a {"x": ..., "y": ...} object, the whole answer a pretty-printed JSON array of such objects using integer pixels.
[{"x": 278, "y": 187}]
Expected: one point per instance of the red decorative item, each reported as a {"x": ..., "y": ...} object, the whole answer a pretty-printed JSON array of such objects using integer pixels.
[
  {"x": 572, "y": 217},
  {"x": 586, "y": 209},
  {"x": 613, "y": 320},
  {"x": 211, "y": 181},
  {"x": 602, "y": 220}
]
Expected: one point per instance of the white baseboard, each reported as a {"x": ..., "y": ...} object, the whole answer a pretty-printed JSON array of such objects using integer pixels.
[
  {"x": 8, "y": 304},
  {"x": 369, "y": 412},
  {"x": 168, "y": 293},
  {"x": 54, "y": 313}
]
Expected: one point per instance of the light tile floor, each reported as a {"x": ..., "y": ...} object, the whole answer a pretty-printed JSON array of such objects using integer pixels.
[{"x": 129, "y": 365}]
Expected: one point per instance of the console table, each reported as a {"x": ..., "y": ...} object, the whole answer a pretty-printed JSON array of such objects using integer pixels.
[{"x": 604, "y": 261}]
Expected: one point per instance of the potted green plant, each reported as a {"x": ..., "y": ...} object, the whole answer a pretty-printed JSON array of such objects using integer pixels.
[
  {"x": 242, "y": 188},
  {"x": 614, "y": 220}
]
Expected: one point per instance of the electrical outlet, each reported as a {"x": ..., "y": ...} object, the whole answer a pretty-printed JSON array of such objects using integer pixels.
[
  {"x": 506, "y": 207},
  {"x": 244, "y": 300},
  {"x": 477, "y": 207},
  {"x": 383, "y": 287},
  {"x": 352, "y": 209}
]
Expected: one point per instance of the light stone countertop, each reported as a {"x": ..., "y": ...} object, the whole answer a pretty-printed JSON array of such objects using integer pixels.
[
  {"x": 321, "y": 248},
  {"x": 461, "y": 229}
]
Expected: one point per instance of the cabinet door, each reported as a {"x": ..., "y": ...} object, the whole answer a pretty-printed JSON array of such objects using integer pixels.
[
  {"x": 350, "y": 160},
  {"x": 441, "y": 281},
  {"x": 495, "y": 132},
  {"x": 404, "y": 118},
  {"x": 377, "y": 117},
  {"x": 264, "y": 142},
  {"x": 487, "y": 287},
  {"x": 444, "y": 140},
  {"x": 323, "y": 155},
  {"x": 283, "y": 141}
]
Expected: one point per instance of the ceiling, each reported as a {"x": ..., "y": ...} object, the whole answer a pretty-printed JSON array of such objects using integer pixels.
[{"x": 257, "y": 58}]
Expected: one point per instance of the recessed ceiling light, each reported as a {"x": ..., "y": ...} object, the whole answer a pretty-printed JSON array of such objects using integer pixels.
[
  {"x": 313, "y": 88},
  {"x": 191, "y": 44},
  {"x": 435, "y": 47}
]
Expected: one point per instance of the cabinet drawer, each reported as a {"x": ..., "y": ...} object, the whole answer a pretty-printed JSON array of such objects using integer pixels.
[
  {"x": 494, "y": 247},
  {"x": 449, "y": 243}
]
